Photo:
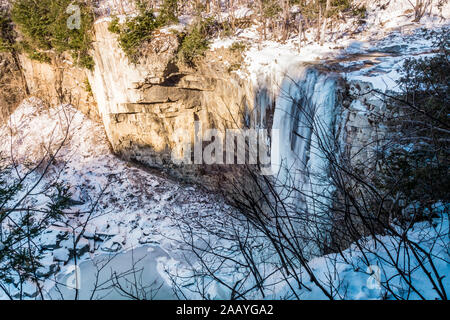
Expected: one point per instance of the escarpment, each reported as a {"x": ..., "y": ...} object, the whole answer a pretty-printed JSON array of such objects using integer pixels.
[
  {"x": 155, "y": 109},
  {"x": 150, "y": 109},
  {"x": 13, "y": 87},
  {"x": 60, "y": 82}
]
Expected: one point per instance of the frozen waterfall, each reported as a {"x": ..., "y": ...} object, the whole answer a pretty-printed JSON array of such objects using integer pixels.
[{"x": 305, "y": 113}]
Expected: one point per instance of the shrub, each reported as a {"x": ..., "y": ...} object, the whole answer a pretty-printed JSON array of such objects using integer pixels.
[
  {"x": 138, "y": 30},
  {"x": 39, "y": 56},
  {"x": 270, "y": 8},
  {"x": 194, "y": 44},
  {"x": 341, "y": 5},
  {"x": 359, "y": 12},
  {"x": 7, "y": 37},
  {"x": 168, "y": 12},
  {"x": 234, "y": 67},
  {"x": 43, "y": 25},
  {"x": 135, "y": 31},
  {"x": 114, "y": 26},
  {"x": 226, "y": 29},
  {"x": 238, "y": 46},
  {"x": 87, "y": 87},
  {"x": 418, "y": 162}
]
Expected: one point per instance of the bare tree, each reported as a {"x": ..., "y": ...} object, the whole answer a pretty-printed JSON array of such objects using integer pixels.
[
  {"x": 420, "y": 8},
  {"x": 371, "y": 218}
]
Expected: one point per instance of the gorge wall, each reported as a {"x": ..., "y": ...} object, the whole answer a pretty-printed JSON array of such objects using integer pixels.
[
  {"x": 59, "y": 82},
  {"x": 145, "y": 105},
  {"x": 13, "y": 87}
]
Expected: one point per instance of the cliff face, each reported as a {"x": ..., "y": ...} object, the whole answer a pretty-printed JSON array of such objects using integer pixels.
[
  {"x": 149, "y": 109},
  {"x": 59, "y": 82},
  {"x": 12, "y": 85}
]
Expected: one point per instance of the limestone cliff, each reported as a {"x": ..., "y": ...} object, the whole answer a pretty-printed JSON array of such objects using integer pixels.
[
  {"x": 143, "y": 105},
  {"x": 60, "y": 82},
  {"x": 12, "y": 84}
]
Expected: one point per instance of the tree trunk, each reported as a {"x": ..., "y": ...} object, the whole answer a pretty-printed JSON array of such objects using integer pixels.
[
  {"x": 319, "y": 19},
  {"x": 286, "y": 17},
  {"x": 325, "y": 22},
  {"x": 300, "y": 32},
  {"x": 231, "y": 11},
  {"x": 262, "y": 20}
]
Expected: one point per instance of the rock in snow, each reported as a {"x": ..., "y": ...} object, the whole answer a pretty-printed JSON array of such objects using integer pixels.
[{"x": 61, "y": 255}]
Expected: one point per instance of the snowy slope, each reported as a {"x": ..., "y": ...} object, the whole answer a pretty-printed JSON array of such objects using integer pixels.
[
  {"x": 136, "y": 207},
  {"x": 385, "y": 269},
  {"x": 356, "y": 278},
  {"x": 388, "y": 27}
]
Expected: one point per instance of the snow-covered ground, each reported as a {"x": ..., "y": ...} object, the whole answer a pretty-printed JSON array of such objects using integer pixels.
[
  {"x": 363, "y": 277},
  {"x": 135, "y": 207},
  {"x": 384, "y": 269},
  {"x": 388, "y": 28}
]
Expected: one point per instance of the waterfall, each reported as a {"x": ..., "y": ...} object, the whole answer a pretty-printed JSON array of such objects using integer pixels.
[{"x": 305, "y": 113}]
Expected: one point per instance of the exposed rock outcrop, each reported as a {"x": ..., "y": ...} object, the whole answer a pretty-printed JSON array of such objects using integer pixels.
[
  {"x": 12, "y": 84},
  {"x": 143, "y": 105},
  {"x": 60, "y": 82}
]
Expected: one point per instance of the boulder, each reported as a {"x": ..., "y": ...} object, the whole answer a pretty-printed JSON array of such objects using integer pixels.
[{"x": 61, "y": 255}]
